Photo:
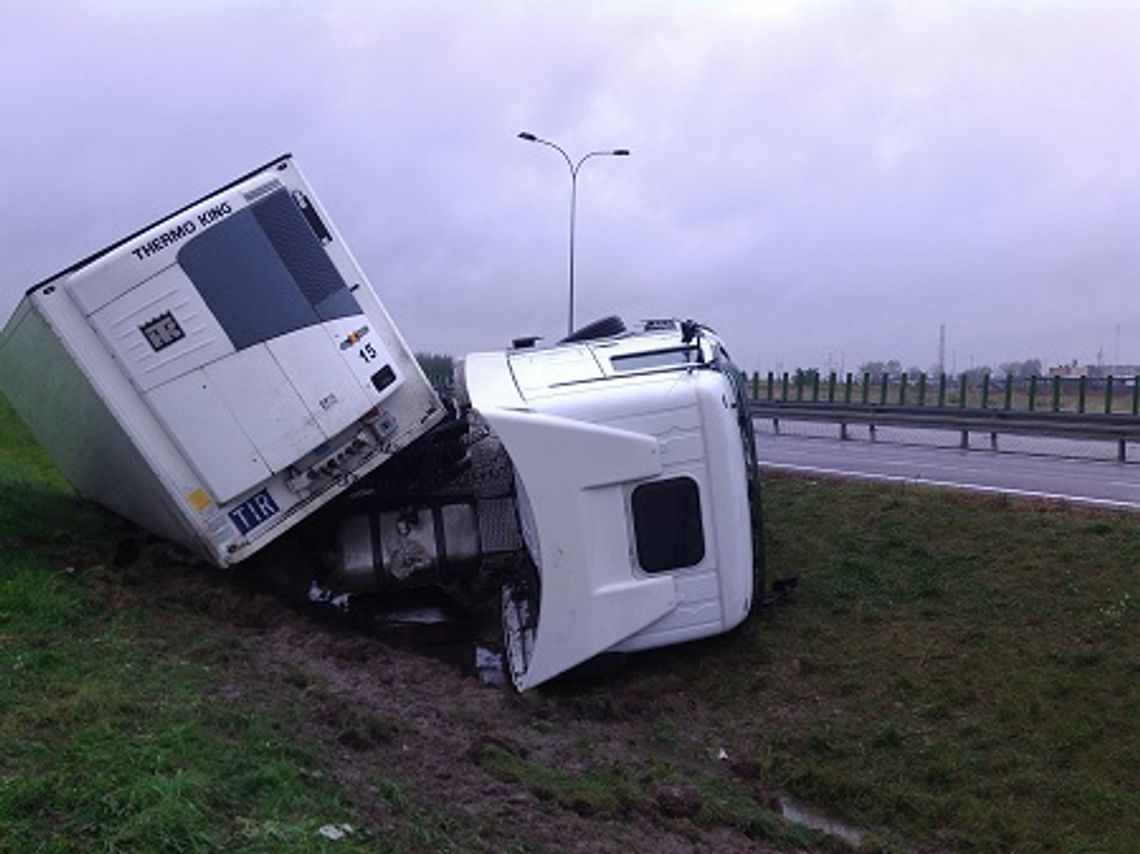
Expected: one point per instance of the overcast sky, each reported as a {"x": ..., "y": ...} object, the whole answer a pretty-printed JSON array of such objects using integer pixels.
[{"x": 815, "y": 180}]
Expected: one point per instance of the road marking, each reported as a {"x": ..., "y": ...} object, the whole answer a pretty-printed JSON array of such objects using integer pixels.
[
  {"x": 1072, "y": 451},
  {"x": 1127, "y": 483},
  {"x": 948, "y": 484}
]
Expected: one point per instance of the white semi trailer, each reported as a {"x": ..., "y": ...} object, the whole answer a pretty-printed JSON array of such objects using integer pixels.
[
  {"x": 226, "y": 372},
  {"x": 220, "y": 374}
]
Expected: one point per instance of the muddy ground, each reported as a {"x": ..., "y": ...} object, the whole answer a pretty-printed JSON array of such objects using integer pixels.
[{"x": 382, "y": 707}]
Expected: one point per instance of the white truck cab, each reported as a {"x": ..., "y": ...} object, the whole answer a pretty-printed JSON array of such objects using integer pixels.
[{"x": 633, "y": 456}]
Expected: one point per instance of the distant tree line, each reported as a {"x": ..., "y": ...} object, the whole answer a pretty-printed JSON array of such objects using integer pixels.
[
  {"x": 1018, "y": 370},
  {"x": 893, "y": 368},
  {"x": 439, "y": 367}
]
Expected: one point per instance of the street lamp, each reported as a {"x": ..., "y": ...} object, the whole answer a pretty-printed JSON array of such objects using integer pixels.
[{"x": 574, "y": 167}]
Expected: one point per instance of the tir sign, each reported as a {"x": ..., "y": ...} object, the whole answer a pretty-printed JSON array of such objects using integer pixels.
[{"x": 253, "y": 511}]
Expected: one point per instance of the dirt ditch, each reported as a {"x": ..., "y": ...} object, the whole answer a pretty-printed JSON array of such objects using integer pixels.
[{"x": 408, "y": 731}]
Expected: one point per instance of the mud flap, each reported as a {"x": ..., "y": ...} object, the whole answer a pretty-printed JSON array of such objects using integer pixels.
[{"x": 586, "y": 598}]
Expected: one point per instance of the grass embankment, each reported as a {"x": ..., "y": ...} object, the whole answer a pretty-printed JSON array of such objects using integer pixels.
[
  {"x": 962, "y": 673},
  {"x": 953, "y": 673},
  {"x": 116, "y": 732}
]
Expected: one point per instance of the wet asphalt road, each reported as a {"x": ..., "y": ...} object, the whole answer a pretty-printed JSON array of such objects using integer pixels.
[{"x": 1083, "y": 481}]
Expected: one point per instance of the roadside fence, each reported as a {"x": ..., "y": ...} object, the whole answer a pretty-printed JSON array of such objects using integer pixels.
[{"x": 1031, "y": 406}]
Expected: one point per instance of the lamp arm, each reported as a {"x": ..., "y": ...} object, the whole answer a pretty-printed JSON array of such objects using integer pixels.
[{"x": 559, "y": 149}]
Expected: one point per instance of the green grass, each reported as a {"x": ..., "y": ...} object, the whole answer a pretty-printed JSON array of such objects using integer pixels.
[
  {"x": 955, "y": 672},
  {"x": 114, "y": 734},
  {"x": 114, "y": 740},
  {"x": 952, "y": 673}
]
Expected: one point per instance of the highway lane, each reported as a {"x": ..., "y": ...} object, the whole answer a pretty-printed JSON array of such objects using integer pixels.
[{"x": 1083, "y": 481}]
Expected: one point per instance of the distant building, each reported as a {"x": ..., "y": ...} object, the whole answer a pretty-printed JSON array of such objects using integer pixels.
[
  {"x": 1094, "y": 371},
  {"x": 1117, "y": 371}
]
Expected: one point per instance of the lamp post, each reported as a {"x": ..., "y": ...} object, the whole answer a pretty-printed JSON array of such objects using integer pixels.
[{"x": 574, "y": 168}]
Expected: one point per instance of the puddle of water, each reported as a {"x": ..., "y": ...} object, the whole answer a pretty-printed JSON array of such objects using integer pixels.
[{"x": 801, "y": 815}]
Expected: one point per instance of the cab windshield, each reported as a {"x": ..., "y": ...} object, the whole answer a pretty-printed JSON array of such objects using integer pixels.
[{"x": 739, "y": 383}]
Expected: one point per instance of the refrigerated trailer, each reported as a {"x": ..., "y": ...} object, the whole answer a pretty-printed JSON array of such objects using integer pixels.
[
  {"x": 228, "y": 371},
  {"x": 219, "y": 375}
]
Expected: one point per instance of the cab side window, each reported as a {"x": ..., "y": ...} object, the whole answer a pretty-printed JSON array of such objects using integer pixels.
[{"x": 667, "y": 524}]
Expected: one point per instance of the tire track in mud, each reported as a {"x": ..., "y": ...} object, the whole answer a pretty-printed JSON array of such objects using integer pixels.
[{"x": 378, "y": 712}]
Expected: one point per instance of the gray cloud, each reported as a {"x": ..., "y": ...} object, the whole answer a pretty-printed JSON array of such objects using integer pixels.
[{"x": 811, "y": 179}]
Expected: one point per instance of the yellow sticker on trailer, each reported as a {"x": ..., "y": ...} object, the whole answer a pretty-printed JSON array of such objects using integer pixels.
[{"x": 198, "y": 499}]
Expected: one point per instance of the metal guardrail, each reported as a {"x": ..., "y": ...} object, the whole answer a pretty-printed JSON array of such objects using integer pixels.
[
  {"x": 948, "y": 390},
  {"x": 1120, "y": 427}
]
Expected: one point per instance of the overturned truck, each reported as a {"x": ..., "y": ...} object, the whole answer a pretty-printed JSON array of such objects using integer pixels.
[{"x": 229, "y": 372}]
